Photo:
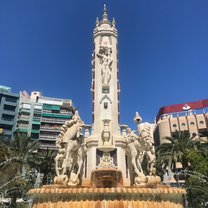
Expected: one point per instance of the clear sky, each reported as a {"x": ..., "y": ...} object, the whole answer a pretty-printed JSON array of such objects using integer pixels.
[{"x": 46, "y": 45}]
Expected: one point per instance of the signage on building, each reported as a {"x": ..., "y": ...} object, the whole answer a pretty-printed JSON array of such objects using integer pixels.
[{"x": 186, "y": 107}]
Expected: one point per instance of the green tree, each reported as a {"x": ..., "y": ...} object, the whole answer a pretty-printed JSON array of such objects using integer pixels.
[
  {"x": 44, "y": 163},
  {"x": 14, "y": 165},
  {"x": 177, "y": 149},
  {"x": 190, "y": 152},
  {"x": 198, "y": 176}
]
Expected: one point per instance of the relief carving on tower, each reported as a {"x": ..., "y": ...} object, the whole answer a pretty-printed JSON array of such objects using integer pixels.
[
  {"x": 106, "y": 131},
  {"x": 106, "y": 162},
  {"x": 106, "y": 62}
]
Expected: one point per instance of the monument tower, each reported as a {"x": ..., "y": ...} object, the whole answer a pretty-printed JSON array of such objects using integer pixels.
[
  {"x": 105, "y": 83},
  {"x": 105, "y": 140},
  {"x": 103, "y": 168}
]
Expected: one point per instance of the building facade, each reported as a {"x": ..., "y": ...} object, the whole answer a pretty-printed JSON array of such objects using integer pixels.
[
  {"x": 42, "y": 117},
  {"x": 191, "y": 117},
  {"x": 9, "y": 102}
]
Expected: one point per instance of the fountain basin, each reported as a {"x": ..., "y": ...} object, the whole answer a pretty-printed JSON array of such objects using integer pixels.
[
  {"x": 53, "y": 196},
  {"x": 106, "y": 178}
]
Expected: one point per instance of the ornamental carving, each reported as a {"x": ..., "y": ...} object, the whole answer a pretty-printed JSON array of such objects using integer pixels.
[
  {"x": 106, "y": 62},
  {"x": 106, "y": 162}
]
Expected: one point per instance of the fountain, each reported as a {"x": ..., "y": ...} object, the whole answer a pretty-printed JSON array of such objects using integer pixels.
[{"x": 100, "y": 166}]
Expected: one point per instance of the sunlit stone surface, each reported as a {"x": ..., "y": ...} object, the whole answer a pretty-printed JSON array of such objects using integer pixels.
[
  {"x": 102, "y": 167},
  {"x": 57, "y": 197}
]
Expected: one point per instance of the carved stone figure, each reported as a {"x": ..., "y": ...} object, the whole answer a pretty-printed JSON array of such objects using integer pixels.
[
  {"x": 145, "y": 135},
  {"x": 106, "y": 61},
  {"x": 71, "y": 150},
  {"x": 135, "y": 148},
  {"x": 38, "y": 181},
  {"x": 140, "y": 145}
]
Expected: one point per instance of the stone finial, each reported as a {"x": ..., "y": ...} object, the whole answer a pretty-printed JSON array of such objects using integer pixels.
[
  {"x": 97, "y": 22},
  {"x": 137, "y": 118},
  {"x": 105, "y": 15},
  {"x": 113, "y": 22}
]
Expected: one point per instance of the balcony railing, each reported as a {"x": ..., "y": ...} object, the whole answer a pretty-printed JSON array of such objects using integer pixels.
[
  {"x": 44, "y": 136},
  {"x": 24, "y": 117},
  {"x": 56, "y": 120},
  {"x": 46, "y": 128},
  {"x": 65, "y": 112},
  {"x": 45, "y": 146},
  {"x": 22, "y": 126}
]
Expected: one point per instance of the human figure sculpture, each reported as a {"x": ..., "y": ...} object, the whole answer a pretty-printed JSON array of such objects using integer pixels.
[
  {"x": 138, "y": 146},
  {"x": 135, "y": 149},
  {"x": 106, "y": 61},
  {"x": 145, "y": 135},
  {"x": 69, "y": 159}
]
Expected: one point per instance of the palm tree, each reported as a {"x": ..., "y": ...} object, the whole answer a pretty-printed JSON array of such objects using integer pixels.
[
  {"x": 177, "y": 149},
  {"x": 14, "y": 164},
  {"x": 23, "y": 147},
  {"x": 44, "y": 163}
]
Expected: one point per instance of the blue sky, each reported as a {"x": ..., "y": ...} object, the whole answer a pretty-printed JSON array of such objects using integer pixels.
[{"x": 46, "y": 45}]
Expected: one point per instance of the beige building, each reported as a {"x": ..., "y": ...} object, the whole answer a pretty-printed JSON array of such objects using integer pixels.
[
  {"x": 191, "y": 117},
  {"x": 41, "y": 118}
]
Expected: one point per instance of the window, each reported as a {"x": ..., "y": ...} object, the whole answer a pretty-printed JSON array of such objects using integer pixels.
[
  {"x": 201, "y": 122},
  {"x": 106, "y": 90},
  {"x": 7, "y": 117},
  {"x": 105, "y": 105},
  {"x": 192, "y": 123},
  {"x": 35, "y": 126},
  {"x": 11, "y": 99},
  {"x": 183, "y": 124},
  {"x": 174, "y": 125},
  {"x": 9, "y": 108},
  {"x": 203, "y": 133}
]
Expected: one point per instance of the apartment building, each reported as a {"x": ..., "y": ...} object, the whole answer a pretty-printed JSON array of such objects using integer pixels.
[
  {"x": 9, "y": 102},
  {"x": 42, "y": 117}
]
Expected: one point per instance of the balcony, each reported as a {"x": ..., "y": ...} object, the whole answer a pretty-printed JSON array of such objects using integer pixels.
[
  {"x": 65, "y": 112},
  {"x": 35, "y": 131},
  {"x": 54, "y": 120},
  {"x": 24, "y": 110},
  {"x": 6, "y": 102},
  {"x": 7, "y": 122},
  {"x": 7, "y": 132},
  {"x": 22, "y": 126},
  {"x": 24, "y": 130},
  {"x": 53, "y": 129},
  {"x": 47, "y": 146},
  {"x": 56, "y": 115},
  {"x": 36, "y": 121},
  {"x": 23, "y": 117},
  {"x": 47, "y": 138},
  {"x": 9, "y": 112}
]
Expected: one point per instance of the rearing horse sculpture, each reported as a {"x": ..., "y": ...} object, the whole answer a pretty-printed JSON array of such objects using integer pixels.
[{"x": 69, "y": 160}]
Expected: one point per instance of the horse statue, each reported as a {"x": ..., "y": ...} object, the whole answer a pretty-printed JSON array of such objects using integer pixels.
[
  {"x": 71, "y": 151},
  {"x": 138, "y": 146}
]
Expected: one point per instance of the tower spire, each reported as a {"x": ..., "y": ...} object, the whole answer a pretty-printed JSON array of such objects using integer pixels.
[{"x": 105, "y": 15}]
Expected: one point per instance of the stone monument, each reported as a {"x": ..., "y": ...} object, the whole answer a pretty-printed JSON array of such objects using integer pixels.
[{"x": 100, "y": 165}]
